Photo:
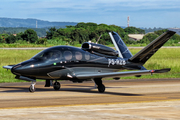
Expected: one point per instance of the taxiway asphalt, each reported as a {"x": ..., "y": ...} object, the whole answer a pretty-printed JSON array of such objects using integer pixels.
[{"x": 123, "y": 99}]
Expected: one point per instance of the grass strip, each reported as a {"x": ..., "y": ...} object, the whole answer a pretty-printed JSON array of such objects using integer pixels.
[{"x": 164, "y": 58}]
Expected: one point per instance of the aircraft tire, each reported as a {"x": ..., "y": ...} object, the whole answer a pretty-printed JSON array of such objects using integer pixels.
[
  {"x": 32, "y": 89},
  {"x": 101, "y": 88},
  {"x": 57, "y": 86}
]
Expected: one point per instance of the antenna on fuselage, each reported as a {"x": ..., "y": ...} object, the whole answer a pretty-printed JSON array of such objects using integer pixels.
[{"x": 98, "y": 39}]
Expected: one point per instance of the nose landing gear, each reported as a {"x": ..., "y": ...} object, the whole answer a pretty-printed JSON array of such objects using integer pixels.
[{"x": 32, "y": 87}]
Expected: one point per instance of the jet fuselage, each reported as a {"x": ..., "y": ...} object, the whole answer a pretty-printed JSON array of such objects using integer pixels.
[{"x": 65, "y": 62}]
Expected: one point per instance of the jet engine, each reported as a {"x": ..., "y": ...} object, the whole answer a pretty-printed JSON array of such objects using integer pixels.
[{"x": 99, "y": 49}]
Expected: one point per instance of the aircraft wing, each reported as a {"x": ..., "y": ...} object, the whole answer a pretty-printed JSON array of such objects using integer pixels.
[
  {"x": 8, "y": 67},
  {"x": 120, "y": 74}
]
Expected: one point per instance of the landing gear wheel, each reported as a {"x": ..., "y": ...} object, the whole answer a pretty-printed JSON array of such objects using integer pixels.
[
  {"x": 32, "y": 88},
  {"x": 101, "y": 88},
  {"x": 57, "y": 86}
]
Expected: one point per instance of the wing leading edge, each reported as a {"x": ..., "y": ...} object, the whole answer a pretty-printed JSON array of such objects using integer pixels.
[{"x": 120, "y": 74}]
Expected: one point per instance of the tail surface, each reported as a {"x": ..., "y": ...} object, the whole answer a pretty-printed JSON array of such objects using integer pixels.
[
  {"x": 143, "y": 55},
  {"x": 120, "y": 45}
]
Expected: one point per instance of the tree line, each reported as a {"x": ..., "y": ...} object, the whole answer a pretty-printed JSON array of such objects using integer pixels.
[
  {"x": 29, "y": 36},
  {"x": 83, "y": 32},
  {"x": 149, "y": 37},
  {"x": 41, "y": 32}
]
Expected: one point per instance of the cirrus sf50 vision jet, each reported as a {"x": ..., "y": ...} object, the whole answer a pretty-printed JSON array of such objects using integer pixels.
[{"x": 90, "y": 62}]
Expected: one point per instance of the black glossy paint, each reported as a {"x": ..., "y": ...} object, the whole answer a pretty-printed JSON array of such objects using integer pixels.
[{"x": 56, "y": 62}]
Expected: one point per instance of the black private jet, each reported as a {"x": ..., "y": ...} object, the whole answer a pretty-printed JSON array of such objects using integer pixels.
[{"x": 91, "y": 62}]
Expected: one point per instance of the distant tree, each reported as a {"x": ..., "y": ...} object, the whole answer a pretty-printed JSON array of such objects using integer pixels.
[
  {"x": 69, "y": 26},
  {"x": 134, "y": 30},
  {"x": 30, "y": 36},
  {"x": 93, "y": 35},
  {"x": 41, "y": 41},
  {"x": 150, "y": 36},
  {"x": 19, "y": 36},
  {"x": 144, "y": 40},
  {"x": 51, "y": 32},
  {"x": 11, "y": 39},
  {"x": 176, "y": 38},
  {"x": 86, "y": 25},
  {"x": 83, "y": 32},
  {"x": 147, "y": 30},
  {"x": 159, "y": 32},
  {"x": 41, "y": 32},
  {"x": 3, "y": 38}
]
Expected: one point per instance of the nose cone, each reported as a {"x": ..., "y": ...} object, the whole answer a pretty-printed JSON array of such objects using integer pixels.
[
  {"x": 22, "y": 68},
  {"x": 16, "y": 69}
]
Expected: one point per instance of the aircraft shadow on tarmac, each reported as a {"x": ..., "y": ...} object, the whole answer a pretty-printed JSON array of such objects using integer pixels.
[
  {"x": 83, "y": 90},
  {"x": 80, "y": 86},
  {"x": 106, "y": 92}
]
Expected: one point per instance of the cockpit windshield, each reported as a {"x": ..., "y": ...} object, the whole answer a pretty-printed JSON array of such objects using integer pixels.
[{"x": 49, "y": 55}]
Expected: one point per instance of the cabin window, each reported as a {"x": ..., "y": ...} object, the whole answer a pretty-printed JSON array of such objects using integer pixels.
[
  {"x": 68, "y": 55},
  {"x": 78, "y": 55},
  {"x": 87, "y": 56}
]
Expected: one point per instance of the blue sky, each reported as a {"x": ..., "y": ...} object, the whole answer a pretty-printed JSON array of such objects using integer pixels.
[{"x": 143, "y": 13}]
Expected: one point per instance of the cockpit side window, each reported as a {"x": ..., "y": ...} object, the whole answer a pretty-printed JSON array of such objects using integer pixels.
[
  {"x": 49, "y": 55},
  {"x": 55, "y": 55}
]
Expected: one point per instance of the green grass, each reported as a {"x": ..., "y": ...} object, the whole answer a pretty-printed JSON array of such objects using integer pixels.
[
  {"x": 16, "y": 45},
  {"x": 164, "y": 58},
  {"x": 10, "y": 57},
  {"x": 51, "y": 43}
]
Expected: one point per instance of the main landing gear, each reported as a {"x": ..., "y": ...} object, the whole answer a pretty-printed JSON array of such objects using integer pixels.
[
  {"x": 100, "y": 86},
  {"x": 57, "y": 85}
]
